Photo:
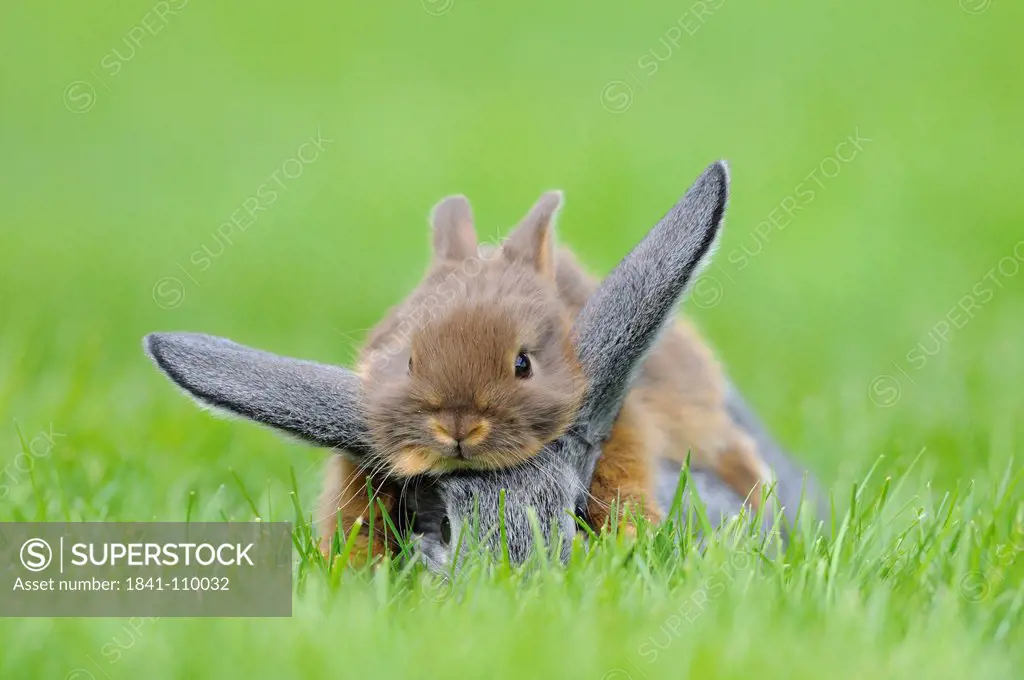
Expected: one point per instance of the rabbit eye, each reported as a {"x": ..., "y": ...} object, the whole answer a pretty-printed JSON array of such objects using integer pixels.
[
  {"x": 523, "y": 368},
  {"x": 446, "y": 531},
  {"x": 410, "y": 365}
]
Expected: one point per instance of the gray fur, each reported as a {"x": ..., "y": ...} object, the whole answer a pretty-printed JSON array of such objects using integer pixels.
[
  {"x": 643, "y": 290},
  {"x": 548, "y": 486},
  {"x": 315, "y": 402}
]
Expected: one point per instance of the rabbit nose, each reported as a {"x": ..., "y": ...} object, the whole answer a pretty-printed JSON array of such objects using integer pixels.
[
  {"x": 470, "y": 431},
  {"x": 456, "y": 430}
]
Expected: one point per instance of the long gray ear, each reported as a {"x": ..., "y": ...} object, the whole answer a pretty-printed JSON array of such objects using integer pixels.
[
  {"x": 623, "y": 318},
  {"x": 315, "y": 402},
  {"x": 451, "y": 221}
]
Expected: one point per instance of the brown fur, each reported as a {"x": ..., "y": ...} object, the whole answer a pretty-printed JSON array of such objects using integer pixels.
[
  {"x": 624, "y": 474},
  {"x": 345, "y": 493},
  {"x": 460, "y": 404}
]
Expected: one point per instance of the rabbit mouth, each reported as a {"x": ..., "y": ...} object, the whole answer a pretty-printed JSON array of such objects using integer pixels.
[
  {"x": 420, "y": 460},
  {"x": 458, "y": 459},
  {"x": 460, "y": 453},
  {"x": 494, "y": 458}
]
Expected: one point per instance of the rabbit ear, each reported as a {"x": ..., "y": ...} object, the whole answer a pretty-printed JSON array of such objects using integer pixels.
[
  {"x": 315, "y": 402},
  {"x": 452, "y": 223},
  {"x": 532, "y": 241},
  {"x": 623, "y": 318}
]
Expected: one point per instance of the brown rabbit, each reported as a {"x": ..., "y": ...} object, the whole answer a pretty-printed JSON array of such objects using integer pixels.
[
  {"x": 488, "y": 373},
  {"x": 474, "y": 370}
]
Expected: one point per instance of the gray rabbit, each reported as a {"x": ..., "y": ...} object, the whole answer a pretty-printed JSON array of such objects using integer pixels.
[{"x": 613, "y": 333}]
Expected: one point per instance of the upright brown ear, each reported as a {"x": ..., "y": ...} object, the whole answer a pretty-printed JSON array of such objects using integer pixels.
[
  {"x": 452, "y": 223},
  {"x": 532, "y": 241}
]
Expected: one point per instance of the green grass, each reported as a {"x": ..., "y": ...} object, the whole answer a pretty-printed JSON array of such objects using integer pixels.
[
  {"x": 833, "y": 322},
  {"x": 894, "y": 590}
]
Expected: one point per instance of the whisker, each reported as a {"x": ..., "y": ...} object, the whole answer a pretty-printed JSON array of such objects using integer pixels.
[{"x": 356, "y": 479}]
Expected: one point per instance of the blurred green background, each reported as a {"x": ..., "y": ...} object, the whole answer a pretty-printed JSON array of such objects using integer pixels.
[
  {"x": 133, "y": 131},
  {"x": 129, "y": 138}
]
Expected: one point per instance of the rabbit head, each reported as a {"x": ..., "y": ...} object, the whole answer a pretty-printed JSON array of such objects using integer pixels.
[
  {"x": 476, "y": 369},
  {"x": 452, "y": 515}
]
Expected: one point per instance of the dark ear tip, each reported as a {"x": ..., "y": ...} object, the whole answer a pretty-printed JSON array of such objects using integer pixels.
[
  {"x": 155, "y": 345},
  {"x": 151, "y": 345},
  {"x": 719, "y": 173},
  {"x": 713, "y": 184}
]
